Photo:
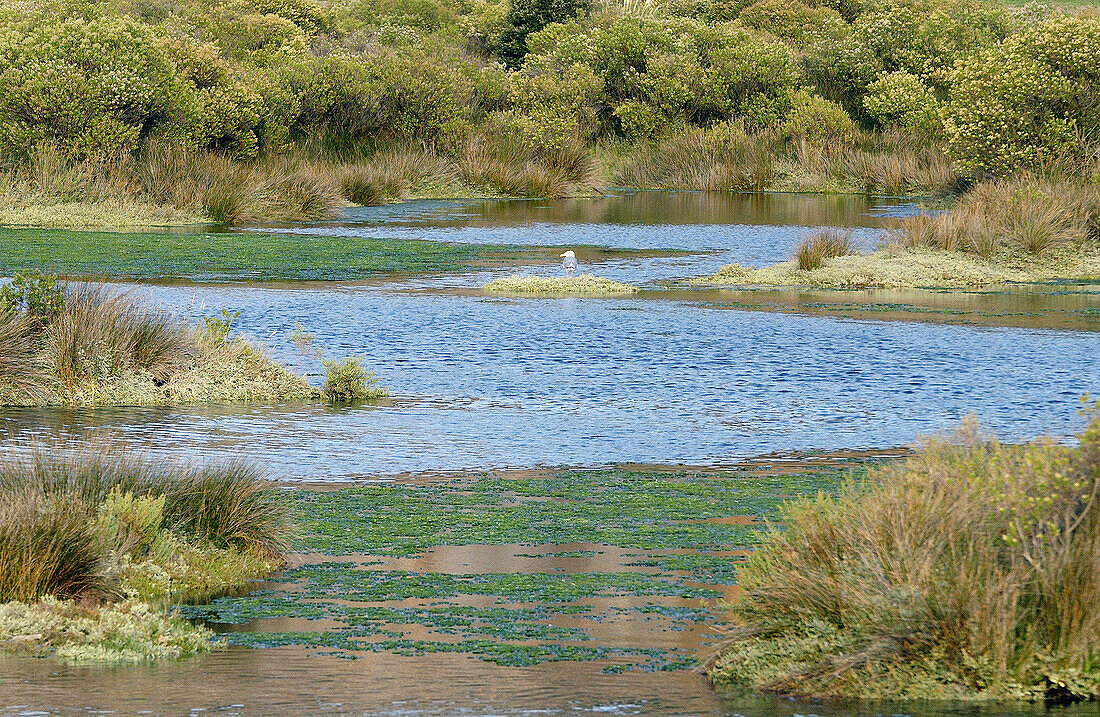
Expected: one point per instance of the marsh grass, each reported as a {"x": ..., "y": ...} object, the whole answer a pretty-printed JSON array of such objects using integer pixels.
[
  {"x": 729, "y": 157},
  {"x": 21, "y": 365},
  {"x": 814, "y": 249},
  {"x": 1026, "y": 216},
  {"x": 52, "y": 501},
  {"x": 46, "y": 546},
  {"x": 98, "y": 333},
  {"x": 581, "y": 285},
  {"x": 969, "y": 571},
  {"x": 508, "y": 166}
]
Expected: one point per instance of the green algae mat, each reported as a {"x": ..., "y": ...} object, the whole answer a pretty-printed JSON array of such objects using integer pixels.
[
  {"x": 250, "y": 256},
  {"x": 614, "y": 566}
]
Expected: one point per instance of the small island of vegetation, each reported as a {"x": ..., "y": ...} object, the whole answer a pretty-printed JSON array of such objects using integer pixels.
[{"x": 580, "y": 285}]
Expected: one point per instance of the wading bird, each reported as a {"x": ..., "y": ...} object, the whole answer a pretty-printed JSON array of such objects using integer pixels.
[{"x": 569, "y": 262}]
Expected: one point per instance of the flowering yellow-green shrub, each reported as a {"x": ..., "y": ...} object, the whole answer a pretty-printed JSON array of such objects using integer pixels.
[
  {"x": 93, "y": 86},
  {"x": 902, "y": 99},
  {"x": 791, "y": 20},
  {"x": 818, "y": 120},
  {"x": 1027, "y": 99}
]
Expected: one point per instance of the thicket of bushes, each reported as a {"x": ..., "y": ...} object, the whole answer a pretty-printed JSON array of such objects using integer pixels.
[{"x": 505, "y": 92}]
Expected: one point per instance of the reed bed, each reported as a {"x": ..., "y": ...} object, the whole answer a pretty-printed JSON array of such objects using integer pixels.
[{"x": 969, "y": 571}]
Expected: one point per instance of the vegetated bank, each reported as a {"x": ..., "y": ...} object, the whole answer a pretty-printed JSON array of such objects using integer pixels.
[
  {"x": 1027, "y": 229},
  {"x": 91, "y": 345},
  {"x": 970, "y": 571},
  {"x": 289, "y": 110},
  {"x": 581, "y": 285},
  {"x": 97, "y": 546}
]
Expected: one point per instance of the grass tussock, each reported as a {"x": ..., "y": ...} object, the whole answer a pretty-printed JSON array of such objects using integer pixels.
[
  {"x": 969, "y": 571},
  {"x": 581, "y": 285},
  {"x": 506, "y": 166},
  {"x": 822, "y": 245},
  {"x": 98, "y": 346},
  {"x": 101, "y": 525}
]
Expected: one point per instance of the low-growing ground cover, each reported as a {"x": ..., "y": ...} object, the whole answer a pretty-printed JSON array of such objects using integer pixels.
[
  {"x": 610, "y": 565},
  {"x": 246, "y": 256},
  {"x": 582, "y": 285}
]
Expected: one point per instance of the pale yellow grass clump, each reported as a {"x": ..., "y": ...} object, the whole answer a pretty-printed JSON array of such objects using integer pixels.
[{"x": 582, "y": 285}]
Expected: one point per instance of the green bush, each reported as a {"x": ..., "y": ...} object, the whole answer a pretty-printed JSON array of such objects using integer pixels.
[
  {"x": 347, "y": 381},
  {"x": 39, "y": 295},
  {"x": 529, "y": 16},
  {"x": 792, "y": 20},
  {"x": 1028, "y": 99},
  {"x": 817, "y": 119},
  {"x": 901, "y": 99}
]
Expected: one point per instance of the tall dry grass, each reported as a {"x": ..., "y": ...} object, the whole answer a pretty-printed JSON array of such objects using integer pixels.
[
  {"x": 1026, "y": 215},
  {"x": 49, "y": 494},
  {"x": 972, "y": 565},
  {"x": 21, "y": 364},
  {"x": 814, "y": 249},
  {"x": 506, "y": 165},
  {"x": 100, "y": 333},
  {"x": 47, "y": 546}
]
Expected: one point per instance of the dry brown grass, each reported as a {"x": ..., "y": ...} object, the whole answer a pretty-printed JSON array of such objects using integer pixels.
[
  {"x": 1026, "y": 215},
  {"x": 814, "y": 249},
  {"x": 971, "y": 570}
]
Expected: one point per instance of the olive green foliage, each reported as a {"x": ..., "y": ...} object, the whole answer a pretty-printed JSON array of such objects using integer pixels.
[
  {"x": 38, "y": 294},
  {"x": 580, "y": 285},
  {"x": 347, "y": 381},
  {"x": 902, "y": 99},
  {"x": 1028, "y": 99},
  {"x": 971, "y": 570},
  {"x": 822, "y": 245},
  {"x": 95, "y": 519},
  {"x": 527, "y": 16}
]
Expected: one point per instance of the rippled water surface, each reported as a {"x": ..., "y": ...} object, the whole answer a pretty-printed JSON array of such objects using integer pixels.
[{"x": 670, "y": 377}]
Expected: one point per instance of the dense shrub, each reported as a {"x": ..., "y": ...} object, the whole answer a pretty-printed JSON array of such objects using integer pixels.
[
  {"x": 901, "y": 99},
  {"x": 817, "y": 119},
  {"x": 1028, "y": 99},
  {"x": 529, "y": 16}
]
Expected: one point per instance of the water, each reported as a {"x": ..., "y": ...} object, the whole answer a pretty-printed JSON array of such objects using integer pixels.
[{"x": 482, "y": 382}]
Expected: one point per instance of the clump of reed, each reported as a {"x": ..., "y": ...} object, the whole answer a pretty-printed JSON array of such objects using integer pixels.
[
  {"x": 507, "y": 165},
  {"x": 47, "y": 546},
  {"x": 21, "y": 365},
  {"x": 968, "y": 571},
  {"x": 49, "y": 499},
  {"x": 1025, "y": 216},
  {"x": 98, "y": 333},
  {"x": 814, "y": 249}
]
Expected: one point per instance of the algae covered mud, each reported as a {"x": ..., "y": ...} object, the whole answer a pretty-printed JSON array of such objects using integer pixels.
[{"x": 447, "y": 561}]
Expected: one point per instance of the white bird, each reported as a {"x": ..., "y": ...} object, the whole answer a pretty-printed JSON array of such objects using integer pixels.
[{"x": 569, "y": 262}]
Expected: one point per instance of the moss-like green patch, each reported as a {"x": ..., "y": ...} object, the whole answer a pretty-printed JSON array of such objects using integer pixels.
[
  {"x": 582, "y": 285},
  {"x": 895, "y": 268},
  {"x": 246, "y": 256},
  {"x": 130, "y": 631}
]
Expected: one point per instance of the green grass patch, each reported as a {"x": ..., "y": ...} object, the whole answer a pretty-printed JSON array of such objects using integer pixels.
[
  {"x": 244, "y": 256},
  {"x": 583, "y": 285}
]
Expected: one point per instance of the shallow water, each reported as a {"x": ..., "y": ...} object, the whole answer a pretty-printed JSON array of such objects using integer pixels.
[{"x": 669, "y": 377}]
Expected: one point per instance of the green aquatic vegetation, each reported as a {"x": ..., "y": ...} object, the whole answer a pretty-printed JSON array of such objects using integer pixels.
[
  {"x": 347, "y": 381},
  {"x": 630, "y": 510},
  {"x": 711, "y": 569},
  {"x": 129, "y": 631},
  {"x": 243, "y": 256}
]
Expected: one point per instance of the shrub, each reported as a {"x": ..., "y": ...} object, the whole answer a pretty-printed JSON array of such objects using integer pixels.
[
  {"x": 790, "y": 19},
  {"x": 38, "y": 295},
  {"x": 822, "y": 245},
  {"x": 47, "y": 546},
  {"x": 1027, "y": 100},
  {"x": 129, "y": 525},
  {"x": 901, "y": 99},
  {"x": 816, "y": 119},
  {"x": 347, "y": 381},
  {"x": 970, "y": 569},
  {"x": 529, "y": 16}
]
